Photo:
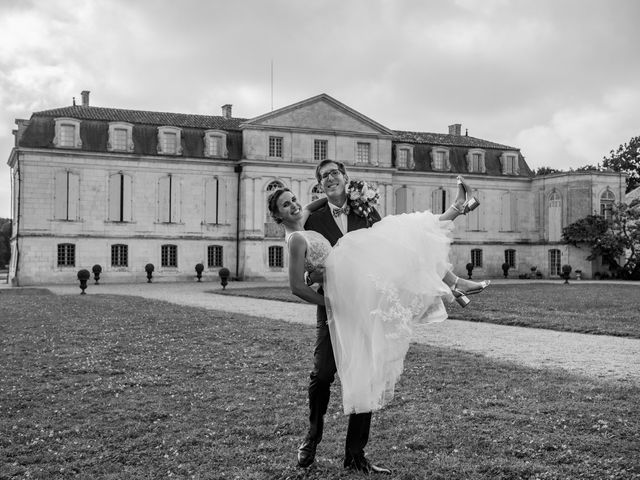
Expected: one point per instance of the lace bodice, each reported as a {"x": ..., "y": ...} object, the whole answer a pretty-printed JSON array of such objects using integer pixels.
[{"x": 318, "y": 249}]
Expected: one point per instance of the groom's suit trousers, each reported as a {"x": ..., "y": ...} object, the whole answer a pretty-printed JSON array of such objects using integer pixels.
[{"x": 322, "y": 376}]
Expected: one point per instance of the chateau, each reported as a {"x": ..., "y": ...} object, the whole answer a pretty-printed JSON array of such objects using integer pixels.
[{"x": 124, "y": 188}]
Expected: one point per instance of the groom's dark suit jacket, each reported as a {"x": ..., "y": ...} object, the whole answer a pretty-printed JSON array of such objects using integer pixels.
[{"x": 322, "y": 222}]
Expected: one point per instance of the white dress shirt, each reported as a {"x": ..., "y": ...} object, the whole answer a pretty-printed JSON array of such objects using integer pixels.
[{"x": 341, "y": 220}]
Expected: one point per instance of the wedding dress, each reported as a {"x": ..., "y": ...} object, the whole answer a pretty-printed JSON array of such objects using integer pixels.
[{"x": 380, "y": 283}]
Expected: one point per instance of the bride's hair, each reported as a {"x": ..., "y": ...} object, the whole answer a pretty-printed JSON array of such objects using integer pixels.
[{"x": 272, "y": 203}]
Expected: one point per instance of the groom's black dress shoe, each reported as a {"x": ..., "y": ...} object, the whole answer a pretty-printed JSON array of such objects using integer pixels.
[
  {"x": 307, "y": 453},
  {"x": 362, "y": 464}
]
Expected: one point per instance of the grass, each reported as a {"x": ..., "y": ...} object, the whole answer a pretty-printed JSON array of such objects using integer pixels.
[
  {"x": 111, "y": 387},
  {"x": 595, "y": 308}
]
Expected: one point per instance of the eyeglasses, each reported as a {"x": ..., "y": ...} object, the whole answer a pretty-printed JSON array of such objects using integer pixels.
[{"x": 333, "y": 173}]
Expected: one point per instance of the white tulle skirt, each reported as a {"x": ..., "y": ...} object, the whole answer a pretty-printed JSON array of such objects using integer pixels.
[{"x": 380, "y": 283}]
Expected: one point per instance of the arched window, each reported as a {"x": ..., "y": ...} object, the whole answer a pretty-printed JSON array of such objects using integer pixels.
[
  {"x": 555, "y": 217},
  {"x": 316, "y": 192},
  {"x": 273, "y": 186},
  {"x": 606, "y": 203}
]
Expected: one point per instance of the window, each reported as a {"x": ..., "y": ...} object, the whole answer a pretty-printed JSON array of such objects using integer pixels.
[
  {"x": 275, "y": 147},
  {"x": 404, "y": 156},
  {"x": 555, "y": 217},
  {"x": 120, "y": 137},
  {"x": 67, "y": 133},
  {"x": 66, "y": 196},
  {"x": 275, "y": 257},
  {"x": 169, "y": 141},
  {"x": 510, "y": 257},
  {"x": 319, "y": 149},
  {"x": 439, "y": 202},
  {"x": 363, "y": 152},
  {"x": 475, "y": 161},
  {"x": 119, "y": 255},
  {"x": 440, "y": 159},
  {"x": 554, "y": 262},
  {"x": 66, "y": 255},
  {"x": 214, "y": 256},
  {"x": 215, "y": 143},
  {"x": 316, "y": 192},
  {"x": 476, "y": 258},
  {"x": 169, "y": 195},
  {"x": 120, "y": 198},
  {"x": 606, "y": 203},
  {"x": 169, "y": 255},
  {"x": 509, "y": 163}
]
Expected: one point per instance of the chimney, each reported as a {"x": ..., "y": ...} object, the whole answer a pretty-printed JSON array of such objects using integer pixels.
[
  {"x": 85, "y": 98},
  {"x": 226, "y": 110},
  {"x": 455, "y": 129}
]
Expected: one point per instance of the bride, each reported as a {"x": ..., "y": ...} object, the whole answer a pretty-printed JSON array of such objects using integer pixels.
[{"x": 379, "y": 284}]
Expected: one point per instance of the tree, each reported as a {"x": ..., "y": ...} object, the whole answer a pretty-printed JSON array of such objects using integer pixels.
[
  {"x": 610, "y": 239},
  {"x": 545, "y": 171},
  {"x": 626, "y": 159},
  {"x": 5, "y": 236}
]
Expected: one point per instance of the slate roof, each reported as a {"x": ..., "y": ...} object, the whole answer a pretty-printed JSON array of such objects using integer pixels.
[
  {"x": 143, "y": 117},
  {"x": 446, "y": 140}
]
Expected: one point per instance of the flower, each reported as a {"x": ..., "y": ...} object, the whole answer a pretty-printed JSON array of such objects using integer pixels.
[{"x": 362, "y": 197}]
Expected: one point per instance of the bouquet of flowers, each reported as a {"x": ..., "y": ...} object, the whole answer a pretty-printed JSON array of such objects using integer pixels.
[{"x": 362, "y": 197}]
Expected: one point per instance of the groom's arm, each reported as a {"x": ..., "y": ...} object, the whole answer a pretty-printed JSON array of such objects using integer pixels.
[{"x": 297, "y": 252}]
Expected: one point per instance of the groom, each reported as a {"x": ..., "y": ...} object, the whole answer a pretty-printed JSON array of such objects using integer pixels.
[{"x": 333, "y": 221}]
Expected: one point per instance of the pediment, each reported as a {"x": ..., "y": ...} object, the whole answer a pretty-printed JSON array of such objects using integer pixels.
[{"x": 320, "y": 114}]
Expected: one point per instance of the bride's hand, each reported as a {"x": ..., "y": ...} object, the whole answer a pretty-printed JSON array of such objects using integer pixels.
[{"x": 317, "y": 276}]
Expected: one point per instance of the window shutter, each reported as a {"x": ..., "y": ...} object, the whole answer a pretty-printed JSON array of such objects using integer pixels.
[
  {"x": 127, "y": 190},
  {"x": 74, "y": 196},
  {"x": 163, "y": 199},
  {"x": 447, "y": 163},
  {"x": 505, "y": 212},
  {"x": 114, "y": 197},
  {"x": 401, "y": 200},
  {"x": 176, "y": 197},
  {"x": 211, "y": 201},
  {"x": 60, "y": 196}
]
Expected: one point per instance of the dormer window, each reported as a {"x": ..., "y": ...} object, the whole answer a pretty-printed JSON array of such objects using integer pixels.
[
  {"x": 440, "y": 159},
  {"x": 67, "y": 133},
  {"x": 509, "y": 163},
  {"x": 404, "y": 157},
  {"x": 120, "y": 137},
  {"x": 475, "y": 161},
  {"x": 215, "y": 143},
  {"x": 169, "y": 141}
]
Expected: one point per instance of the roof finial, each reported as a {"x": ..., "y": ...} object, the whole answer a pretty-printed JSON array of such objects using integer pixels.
[
  {"x": 466, "y": 132},
  {"x": 74, "y": 101}
]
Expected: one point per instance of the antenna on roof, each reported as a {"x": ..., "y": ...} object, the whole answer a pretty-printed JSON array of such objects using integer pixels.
[
  {"x": 466, "y": 132},
  {"x": 272, "y": 84},
  {"x": 74, "y": 101}
]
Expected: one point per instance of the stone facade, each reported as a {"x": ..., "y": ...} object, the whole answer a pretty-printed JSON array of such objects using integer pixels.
[{"x": 123, "y": 188}]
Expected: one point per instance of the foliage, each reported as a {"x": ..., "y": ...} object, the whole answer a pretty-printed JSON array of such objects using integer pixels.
[
  {"x": 108, "y": 387},
  {"x": 626, "y": 159},
  {"x": 5, "y": 236},
  {"x": 545, "y": 171},
  {"x": 610, "y": 239}
]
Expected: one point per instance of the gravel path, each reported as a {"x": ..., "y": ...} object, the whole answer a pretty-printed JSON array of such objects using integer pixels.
[{"x": 600, "y": 356}]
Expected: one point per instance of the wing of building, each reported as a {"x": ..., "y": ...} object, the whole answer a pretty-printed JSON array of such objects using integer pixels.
[{"x": 124, "y": 188}]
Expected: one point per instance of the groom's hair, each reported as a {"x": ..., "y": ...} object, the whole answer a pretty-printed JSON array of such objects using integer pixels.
[
  {"x": 272, "y": 203},
  {"x": 340, "y": 166}
]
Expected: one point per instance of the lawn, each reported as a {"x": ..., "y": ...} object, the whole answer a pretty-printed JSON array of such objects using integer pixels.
[
  {"x": 596, "y": 308},
  {"x": 110, "y": 387}
]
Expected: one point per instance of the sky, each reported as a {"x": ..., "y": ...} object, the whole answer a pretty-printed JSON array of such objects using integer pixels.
[{"x": 558, "y": 79}]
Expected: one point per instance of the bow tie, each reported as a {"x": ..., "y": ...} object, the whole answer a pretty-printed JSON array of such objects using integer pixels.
[{"x": 339, "y": 211}]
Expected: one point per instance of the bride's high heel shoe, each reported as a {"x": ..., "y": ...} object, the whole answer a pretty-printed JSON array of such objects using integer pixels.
[
  {"x": 470, "y": 203},
  {"x": 461, "y": 295}
]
